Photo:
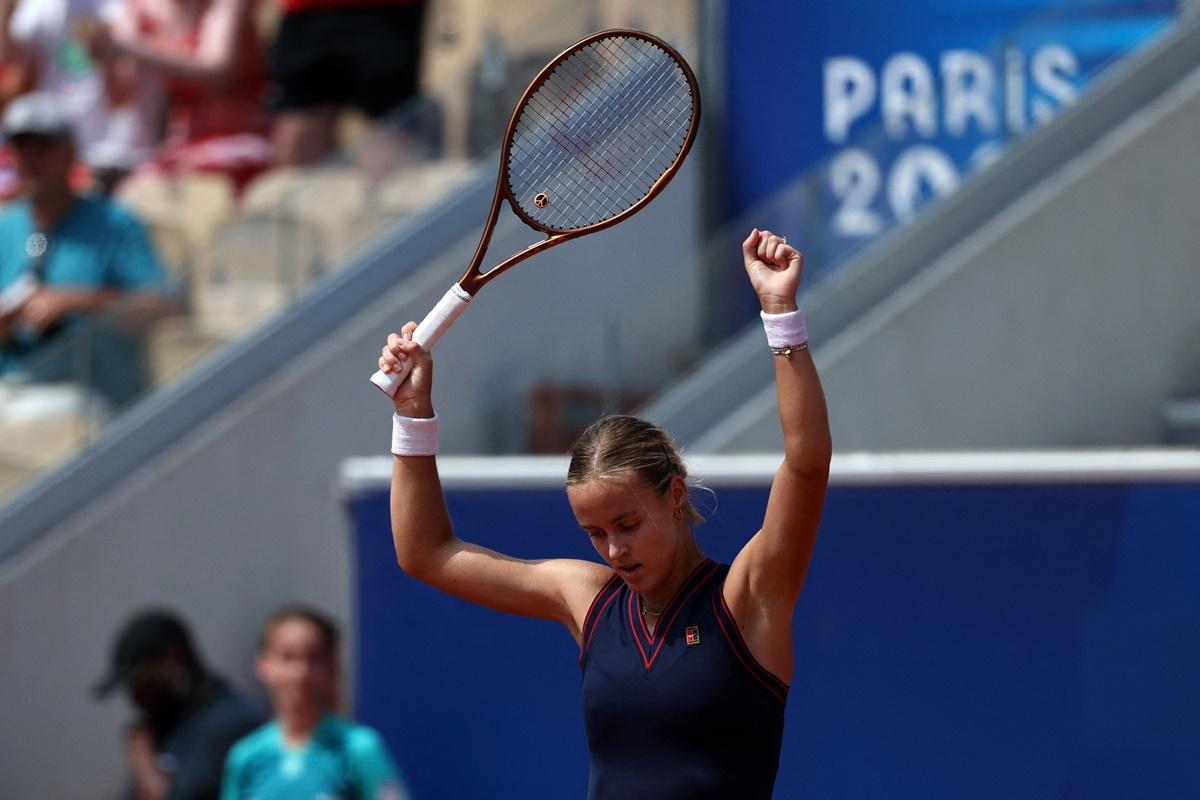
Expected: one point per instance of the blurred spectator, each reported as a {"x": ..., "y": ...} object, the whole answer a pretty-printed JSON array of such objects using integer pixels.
[
  {"x": 307, "y": 751},
  {"x": 333, "y": 54},
  {"x": 189, "y": 717},
  {"x": 67, "y": 258},
  {"x": 212, "y": 58},
  {"x": 47, "y": 45}
]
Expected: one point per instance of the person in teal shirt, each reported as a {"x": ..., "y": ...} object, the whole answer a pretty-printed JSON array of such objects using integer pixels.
[
  {"x": 307, "y": 752},
  {"x": 66, "y": 257}
]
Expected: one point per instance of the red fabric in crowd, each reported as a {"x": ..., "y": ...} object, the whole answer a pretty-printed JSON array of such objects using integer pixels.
[
  {"x": 198, "y": 111},
  {"x": 304, "y": 6},
  {"x": 209, "y": 129}
]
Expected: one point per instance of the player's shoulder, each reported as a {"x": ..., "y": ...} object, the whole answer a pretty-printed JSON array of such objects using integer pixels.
[
  {"x": 580, "y": 570},
  {"x": 581, "y": 578},
  {"x": 358, "y": 739},
  {"x": 261, "y": 739}
]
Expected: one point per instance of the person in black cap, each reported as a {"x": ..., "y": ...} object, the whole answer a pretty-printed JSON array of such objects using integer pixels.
[{"x": 189, "y": 717}]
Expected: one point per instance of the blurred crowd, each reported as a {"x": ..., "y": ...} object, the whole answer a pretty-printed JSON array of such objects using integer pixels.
[
  {"x": 229, "y": 86},
  {"x": 96, "y": 95},
  {"x": 193, "y": 736}
]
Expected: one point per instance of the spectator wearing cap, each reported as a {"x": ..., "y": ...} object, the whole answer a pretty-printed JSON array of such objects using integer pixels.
[
  {"x": 189, "y": 718},
  {"x": 66, "y": 257},
  {"x": 114, "y": 105}
]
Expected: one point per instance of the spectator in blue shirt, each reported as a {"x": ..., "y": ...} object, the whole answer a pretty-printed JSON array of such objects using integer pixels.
[
  {"x": 307, "y": 751},
  {"x": 66, "y": 257}
]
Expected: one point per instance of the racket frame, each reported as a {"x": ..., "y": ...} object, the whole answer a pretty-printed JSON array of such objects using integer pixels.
[
  {"x": 473, "y": 279},
  {"x": 455, "y": 301}
]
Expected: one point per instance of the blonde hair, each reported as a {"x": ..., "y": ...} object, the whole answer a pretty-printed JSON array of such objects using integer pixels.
[{"x": 624, "y": 444}]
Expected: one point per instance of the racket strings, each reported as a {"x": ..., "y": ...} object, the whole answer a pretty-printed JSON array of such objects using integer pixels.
[
  {"x": 631, "y": 105},
  {"x": 561, "y": 133},
  {"x": 639, "y": 132},
  {"x": 665, "y": 68},
  {"x": 599, "y": 132},
  {"x": 570, "y": 98},
  {"x": 625, "y": 121},
  {"x": 646, "y": 159},
  {"x": 616, "y": 199}
]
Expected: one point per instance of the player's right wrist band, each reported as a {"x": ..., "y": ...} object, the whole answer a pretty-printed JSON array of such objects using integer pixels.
[
  {"x": 786, "y": 333},
  {"x": 414, "y": 437}
]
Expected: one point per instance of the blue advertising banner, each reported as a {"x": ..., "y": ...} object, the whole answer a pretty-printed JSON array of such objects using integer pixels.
[
  {"x": 953, "y": 641},
  {"x": 888, "y": 104}
]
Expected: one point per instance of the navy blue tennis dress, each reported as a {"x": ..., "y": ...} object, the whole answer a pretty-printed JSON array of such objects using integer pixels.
[{"x": 685, "y": 713}]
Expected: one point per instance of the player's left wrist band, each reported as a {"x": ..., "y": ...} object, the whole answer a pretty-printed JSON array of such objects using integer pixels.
[
  {"x": 414, "y": 437},
  {"x": 786, "y": 333}
]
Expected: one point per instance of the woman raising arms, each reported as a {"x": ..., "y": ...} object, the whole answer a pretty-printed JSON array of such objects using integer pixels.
[{"x": 685, "y": 662}]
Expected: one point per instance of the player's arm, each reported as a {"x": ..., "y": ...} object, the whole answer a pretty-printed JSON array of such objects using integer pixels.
[
  {"x": 427, "y": 547},
  {"x": 765, "y": 579}
]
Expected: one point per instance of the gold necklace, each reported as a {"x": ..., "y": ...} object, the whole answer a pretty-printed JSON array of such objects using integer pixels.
[{"x": 647, "y": 611}]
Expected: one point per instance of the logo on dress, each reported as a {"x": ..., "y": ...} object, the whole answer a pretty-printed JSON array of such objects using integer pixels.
[{"x": 692, "y": 635}]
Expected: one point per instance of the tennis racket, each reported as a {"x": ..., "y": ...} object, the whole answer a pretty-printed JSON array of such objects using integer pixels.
[{"x": 598, "y": 133}]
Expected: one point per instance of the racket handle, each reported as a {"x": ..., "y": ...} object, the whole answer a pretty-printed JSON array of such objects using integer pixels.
[{"x": 436, "y": 322}]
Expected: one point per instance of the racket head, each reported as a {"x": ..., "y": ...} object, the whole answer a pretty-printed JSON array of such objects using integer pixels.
[{"x": 599, "y": 133}]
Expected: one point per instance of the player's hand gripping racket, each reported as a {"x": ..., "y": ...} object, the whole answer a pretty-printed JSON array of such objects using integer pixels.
[{"x": 595, "y": 137}]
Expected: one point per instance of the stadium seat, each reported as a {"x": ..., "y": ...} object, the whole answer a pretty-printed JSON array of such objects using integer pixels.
[
  {"x": 326, "y": 198},
  {"x": 39, "y": 426},
  {"x": 177, "y": 343},
  {"x": 176, "y": 254},
  {"x": 419, "y": 185},
  {"x": 252, "y": 266},
  {"x": 12, "y": 475},
  {"x": 368, "y": 225},
  {"x": 194, "y": 203}
]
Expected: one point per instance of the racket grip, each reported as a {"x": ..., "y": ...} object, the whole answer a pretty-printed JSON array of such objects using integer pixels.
[
  {"x": 390, "y": 382},
  {"x": 427, "y": 334}
]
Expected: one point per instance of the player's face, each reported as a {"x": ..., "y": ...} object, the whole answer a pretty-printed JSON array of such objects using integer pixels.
[
  {"x": 298, "y": 667},
  {"x": 631, "y": 527}
]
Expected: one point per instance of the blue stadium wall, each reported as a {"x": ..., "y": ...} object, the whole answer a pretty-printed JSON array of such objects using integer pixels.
[
  {"x": 841, "y": 120},
  {"x": 923, "y": 91},
  {"x": 953, "y": 641}
]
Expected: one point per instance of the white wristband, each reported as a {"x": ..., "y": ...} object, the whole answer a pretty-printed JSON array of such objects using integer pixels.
[
  {"x": 414, "y": 437},
  {"x": 785, "y": 330}
]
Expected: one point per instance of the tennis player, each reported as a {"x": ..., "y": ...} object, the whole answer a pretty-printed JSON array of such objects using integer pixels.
[{"x": 686, "y": 663}]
